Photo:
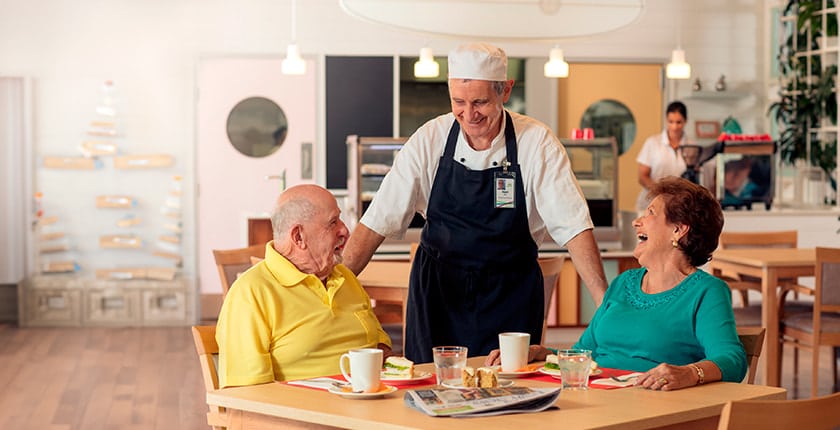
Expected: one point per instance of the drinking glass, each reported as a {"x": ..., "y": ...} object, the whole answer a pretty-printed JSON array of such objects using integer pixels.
[
  {"x": 449, "y": 360},
  {"x": 575, "y": 366}
]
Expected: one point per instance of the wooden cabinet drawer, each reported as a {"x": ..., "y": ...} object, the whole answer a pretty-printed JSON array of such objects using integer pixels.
[
  {"x": 108, "y": 307},
  {"x": 48, "y": 307},
  {"x": 164, "y": 307}
]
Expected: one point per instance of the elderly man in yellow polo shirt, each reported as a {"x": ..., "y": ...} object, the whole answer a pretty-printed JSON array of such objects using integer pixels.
[{"x": 292, "y": 315}]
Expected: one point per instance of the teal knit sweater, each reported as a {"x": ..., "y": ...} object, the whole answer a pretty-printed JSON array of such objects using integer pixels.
[{"x": 693, "y": 321}]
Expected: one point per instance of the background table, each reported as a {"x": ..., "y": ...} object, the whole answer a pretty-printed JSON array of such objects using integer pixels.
[{"x": 769, "y": 264}]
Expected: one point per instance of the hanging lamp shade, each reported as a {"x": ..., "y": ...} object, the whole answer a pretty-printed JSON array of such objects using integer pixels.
[
  {"x": 293, "y": 64},
  {"x": 426, "y": 67},
  {"x": 678, "y": 68},
  {"x": 556, "y": 67}
]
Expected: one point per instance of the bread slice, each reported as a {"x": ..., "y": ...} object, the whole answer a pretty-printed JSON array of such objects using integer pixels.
[
  {"x": 398, "y": 368},
  {"x": 487, "y": 377},
  {"x": 469, "y": 378}
]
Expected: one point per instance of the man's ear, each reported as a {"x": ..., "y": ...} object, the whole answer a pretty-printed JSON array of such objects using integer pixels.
[{"x": 296, "y": 234}]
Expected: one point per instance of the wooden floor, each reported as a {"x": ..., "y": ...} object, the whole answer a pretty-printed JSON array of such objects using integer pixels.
[
  {"x": 139, "y": 378},
  {"x": 100, "y": 378}
]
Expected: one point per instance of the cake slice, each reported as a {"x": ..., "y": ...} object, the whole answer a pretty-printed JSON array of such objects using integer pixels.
[
  {"x": 469, "y": 378},
  {"x": 487, "y": 377},
  {"x": 398, "y": 368}
]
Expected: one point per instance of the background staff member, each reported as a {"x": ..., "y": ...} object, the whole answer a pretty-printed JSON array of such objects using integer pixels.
[{"x": 490, "y": 184}]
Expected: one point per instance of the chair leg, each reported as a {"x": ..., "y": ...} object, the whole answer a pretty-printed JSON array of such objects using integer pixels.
[
  {"x": 815, "y": 370},
  {"x": 834, "y": 359},
  {"x": 745, "y": 298},
  {"x": 796, "y": 370}
]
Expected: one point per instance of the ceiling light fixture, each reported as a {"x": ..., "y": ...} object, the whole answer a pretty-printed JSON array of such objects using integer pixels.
[
  {"x": 556, "y": 67},
  {"x": 293, "y": 64},
  {"x": 678, "y": 68},
  {"x": 426, "y": 67}
]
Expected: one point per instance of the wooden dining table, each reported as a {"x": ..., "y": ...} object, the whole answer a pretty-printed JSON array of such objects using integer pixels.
[
  {"x": 770, "y": 265},
  {"x": 280, "y": 405}
]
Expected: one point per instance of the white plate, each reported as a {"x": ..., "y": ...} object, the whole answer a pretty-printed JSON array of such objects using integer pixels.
[
  {"x": 347, "y": 394},
  {"x": 418, "y": 376},
  {"x": 516, "y": 374},
  {"x": 503, "y": 383},
  {"x": 556, "y": 373}
]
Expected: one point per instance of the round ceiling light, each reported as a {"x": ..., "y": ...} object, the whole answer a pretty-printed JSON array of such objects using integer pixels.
[{"x": 499, "y": 19}]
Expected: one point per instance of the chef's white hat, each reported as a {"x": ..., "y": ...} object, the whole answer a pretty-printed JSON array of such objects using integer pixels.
[{"x": 478, "y": 61}]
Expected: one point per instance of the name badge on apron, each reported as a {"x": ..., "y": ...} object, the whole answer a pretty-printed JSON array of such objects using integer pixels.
[{"x": 505, "y": 186}]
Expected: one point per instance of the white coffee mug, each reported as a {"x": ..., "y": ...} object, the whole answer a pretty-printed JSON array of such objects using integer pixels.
[
  {"x": 514, "y": 350},
  {"x": 365, "y": 366}
]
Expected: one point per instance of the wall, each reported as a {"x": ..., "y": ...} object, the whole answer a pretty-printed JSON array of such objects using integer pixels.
[{"x": 150, "y": 50}]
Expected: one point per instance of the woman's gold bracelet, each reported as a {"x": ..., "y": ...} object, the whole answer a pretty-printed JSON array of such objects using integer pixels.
[{"x": 701, "y": 377}]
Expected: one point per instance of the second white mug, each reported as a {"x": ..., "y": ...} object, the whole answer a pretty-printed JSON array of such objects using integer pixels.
[
  {"x": 513, "y": 347},
  {"x": 365, "y": 368}
]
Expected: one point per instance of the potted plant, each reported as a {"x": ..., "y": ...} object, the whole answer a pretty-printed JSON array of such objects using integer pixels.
[{"x": 807, "y": 97}]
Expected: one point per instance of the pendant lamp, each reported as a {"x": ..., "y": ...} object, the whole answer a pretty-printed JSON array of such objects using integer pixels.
[
  {"x": 426, "y": 67},
  {"x": 678, "y": 68},
  {"x": 556, "y": 67},
  {"x": 293, "y": 64}
]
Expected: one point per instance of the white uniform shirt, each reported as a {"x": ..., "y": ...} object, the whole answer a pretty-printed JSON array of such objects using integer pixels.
[
  {"x": 663, "y": 161},
  {"x": 553, "y": 199}
]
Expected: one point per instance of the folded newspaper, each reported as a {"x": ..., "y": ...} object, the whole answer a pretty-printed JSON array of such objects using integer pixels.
[{"x": 474, "y": 402}]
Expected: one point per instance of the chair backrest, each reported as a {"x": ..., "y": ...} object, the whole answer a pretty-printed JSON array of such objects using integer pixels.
[
  {"x": 204, "y": 337},
  {"x": 763, "y": 239},
  {"x": 231, "y": 262},
  {"x": 827, "y": 289},
  {"x": 813, "y": 414},
  {"x": 550, "y": 268},
  {"x": 753, "y": 339}
]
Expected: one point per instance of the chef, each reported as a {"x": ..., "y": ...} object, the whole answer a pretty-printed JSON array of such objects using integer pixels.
[{"x": 490, "y": 184}]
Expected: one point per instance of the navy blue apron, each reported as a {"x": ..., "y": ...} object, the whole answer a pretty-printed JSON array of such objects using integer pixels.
[{"x": 475, "y": 273}]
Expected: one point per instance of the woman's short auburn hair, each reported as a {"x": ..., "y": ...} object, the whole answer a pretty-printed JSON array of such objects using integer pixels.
[{"x": 694, "y": 206}]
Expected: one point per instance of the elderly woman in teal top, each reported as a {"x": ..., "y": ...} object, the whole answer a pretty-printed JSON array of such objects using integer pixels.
[{"x": 668, "y": 319}]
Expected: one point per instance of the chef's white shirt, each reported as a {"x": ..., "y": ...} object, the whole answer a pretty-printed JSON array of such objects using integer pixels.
[{"x": 553, "y": 199}]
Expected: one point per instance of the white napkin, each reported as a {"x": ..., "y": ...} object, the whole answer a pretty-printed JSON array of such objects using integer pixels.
[
  {"x": 319, "y": 383},
  {"x": 626, "y": 380}
]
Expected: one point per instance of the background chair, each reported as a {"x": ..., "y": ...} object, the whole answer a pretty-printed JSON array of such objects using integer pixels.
[
  {"x": 208, "y": 355},
  {"x": 753, "y": 339},
  {"x": 232, "y": 262},
  {"x": 550, "y": 268},
  {"x": 813, "y": 414},
  {"x": 763, "y": 239},
  {"x": 821, "y": 325}
]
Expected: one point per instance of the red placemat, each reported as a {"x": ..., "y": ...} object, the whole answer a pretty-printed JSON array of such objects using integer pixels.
[{"x": 606, "y": 372}]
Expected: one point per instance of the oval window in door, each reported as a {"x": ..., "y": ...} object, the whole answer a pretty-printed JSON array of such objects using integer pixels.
[
  {"x": 611, "y": 118},
  {"x": 257, "y": 127}
]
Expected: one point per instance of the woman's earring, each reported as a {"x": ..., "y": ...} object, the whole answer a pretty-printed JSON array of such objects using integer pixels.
[{"x": 674, "y": 243}]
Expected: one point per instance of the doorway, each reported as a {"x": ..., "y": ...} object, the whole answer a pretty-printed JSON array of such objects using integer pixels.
[
  {"x": 233, "y": 186},
  {"x": 638, "y": 87}
]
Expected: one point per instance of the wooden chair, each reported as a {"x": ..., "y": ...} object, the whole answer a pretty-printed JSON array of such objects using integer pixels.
[
  {"x": 550, "y": 268},
  {"x": 753, "y": 339},
  {"x": 232, "y": 262},
  {"x": 819, "y": 413},
  {"x": 820, "y": 326},
  {"x": 208, "y": 355},
  {"x": 763, "y": 239}
]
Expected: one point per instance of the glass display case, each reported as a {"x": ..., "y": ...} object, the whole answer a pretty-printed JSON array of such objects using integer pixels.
[
  {"x": 595, "y": 163},
  {"x": 746, "y": 174},
  {"x": 369, "y": 159}
]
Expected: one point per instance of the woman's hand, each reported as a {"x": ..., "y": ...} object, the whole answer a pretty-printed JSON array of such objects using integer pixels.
[
  {"x": 535, "y": 353},
  {"x": 668, "y": 377}
]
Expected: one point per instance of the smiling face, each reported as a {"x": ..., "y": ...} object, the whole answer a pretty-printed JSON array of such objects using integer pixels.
[
  {"x": 324, "y": 235},
  {"x": 655, "y": 235},
  {"x": 478, "y": 109}
]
